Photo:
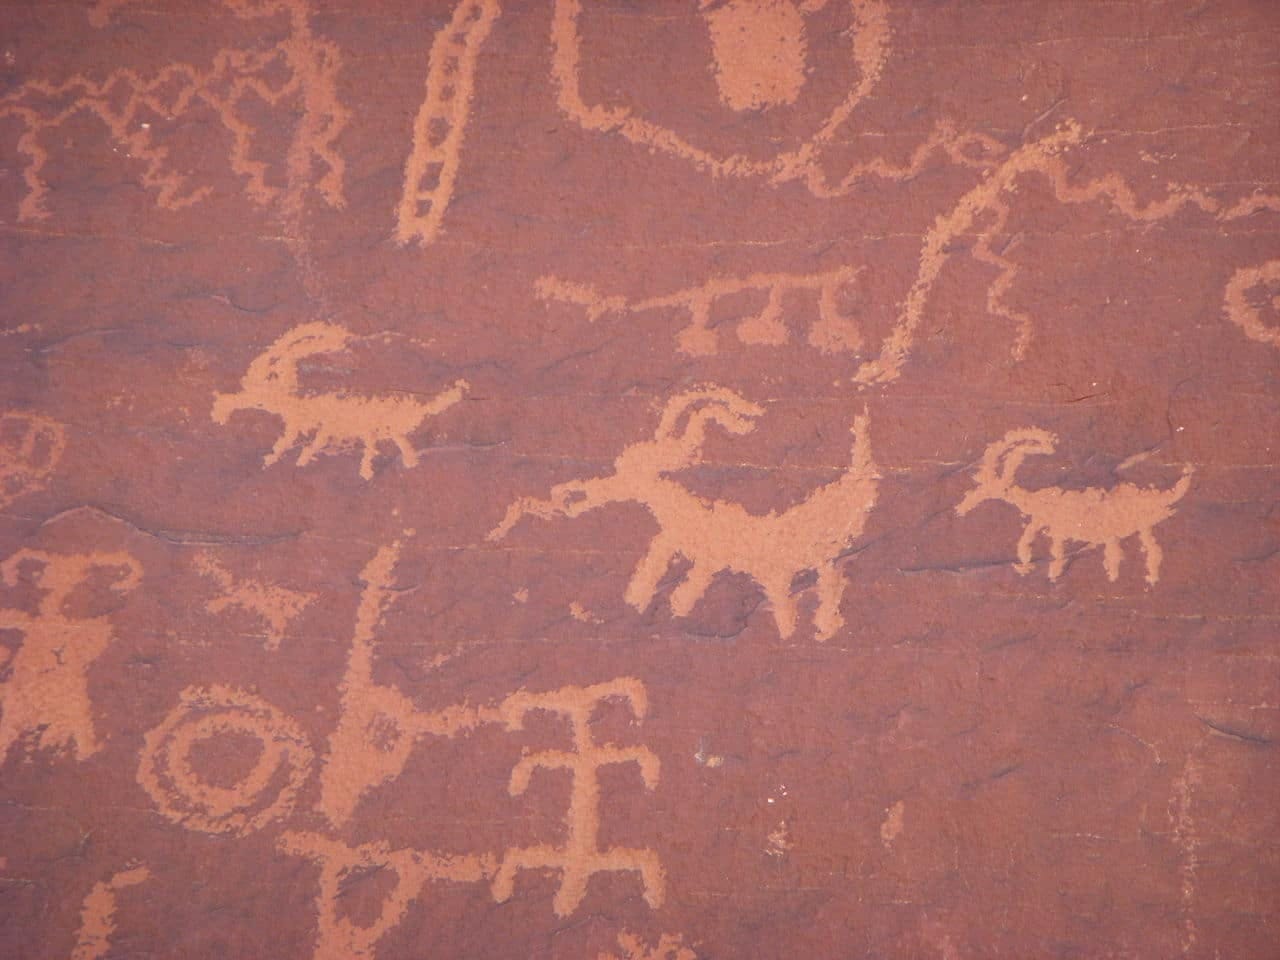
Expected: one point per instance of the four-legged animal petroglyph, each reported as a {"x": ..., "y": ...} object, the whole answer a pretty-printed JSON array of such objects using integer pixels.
[
  {"x": 719, "y": 536},
  {"x": 580, "y": 856},
  {"x": 296, "y": 73},
  {"x": 831, "y": 331},
  {"x": 46, "y": 696},
  {"x": 1241, "y": 308},
  {"x": 432, "y": 167},
  {"x": 30, "y": 448},
  {"x": 327, "y": 422},
  {"x": 1093, "y": 516}
]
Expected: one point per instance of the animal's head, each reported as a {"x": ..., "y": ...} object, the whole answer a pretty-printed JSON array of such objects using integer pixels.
[
  {"x": 274, "y": 372},
  {"x": 1000, "y": 462},
  {"x": 682, "y": 430}
]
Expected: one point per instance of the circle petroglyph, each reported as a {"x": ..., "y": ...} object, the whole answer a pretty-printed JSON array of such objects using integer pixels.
[
  {"x": 169, "y": 773},
  {"x": 1252, "y": 294}
]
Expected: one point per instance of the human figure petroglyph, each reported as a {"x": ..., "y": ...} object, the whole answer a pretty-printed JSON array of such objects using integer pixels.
[
  {"x": 832, "y": 330},
  {"x": 297, "y": 71},
  {"x": 1094, "y": 516},
  {"x": 98, "y": 916},
  {"x": 46, "y": 695},
  {"x": 432, "y": 168},
  {"x": 1240, "y": 302},
  {"x": 274, "y": 606},
  {"x": 718, "y": 536},
  {"x": 266, "y": 792},
  {"x": 338, "y": 937},
  {"x": 30, "y": 448},
  {"x": 333, "y": 422},
  {"x": 580, "y": 856}
]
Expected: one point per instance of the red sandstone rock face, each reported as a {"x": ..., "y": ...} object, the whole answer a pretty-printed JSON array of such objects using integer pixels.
[{"x": 756, "y": 478}]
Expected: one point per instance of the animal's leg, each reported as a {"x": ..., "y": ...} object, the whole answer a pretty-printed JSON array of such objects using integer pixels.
[
  {"x": 1023, "y": 566},
  {"x": 320, "y": 441},
  {"x": 408, "y": 455},
  {"x": 368, "y": 450},
  {"x": 688, "y": 593},
  {"x": 778, "y": 592},
  {"x": 287, "y": 439},
  {"x": 827, "y": 619},
  {"x": 1111, "y": 556},
  {"x": 1151, "y": 550},
  {"x": 644, "y": 582},
  {"x": 1058, "y": 557}
]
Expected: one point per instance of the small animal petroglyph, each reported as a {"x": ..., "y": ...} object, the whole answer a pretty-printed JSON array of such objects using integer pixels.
[
  {"x": 30, "y": 448},
  {"x": 265, "y": 793},
  {"x": 274, "y": 606},
  {"x": 98, "y": 916},
  {"x": 1241, "y": 308},
  {"x": 719, "y": 536},
  {"x": 327, "y": 422},
  {"x": 46, "y": 696},
  {"x": 297, "y": 72},
  {"x": 432, "y": 167},
  {"x": 1093, "y": 516},
  {"x": 580, "y": 856},
  {"x": 831, "y": 331}
]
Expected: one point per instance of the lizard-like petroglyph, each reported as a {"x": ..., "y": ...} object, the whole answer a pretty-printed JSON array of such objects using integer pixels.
[
  {"x": 275, "y": 606},
  {"x": 580, "y": 856}
]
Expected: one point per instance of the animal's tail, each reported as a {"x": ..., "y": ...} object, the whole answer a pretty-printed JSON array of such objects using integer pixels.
[{"x": 1179, "y": 489}]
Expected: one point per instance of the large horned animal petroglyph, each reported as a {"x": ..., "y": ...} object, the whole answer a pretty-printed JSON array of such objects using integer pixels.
[
  {"x": 1093, "y": 516},
  {"x": 719, "y": 536},
  {"x": 333, "y": 421}
]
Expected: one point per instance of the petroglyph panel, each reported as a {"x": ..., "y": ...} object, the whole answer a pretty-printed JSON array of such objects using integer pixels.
[{"x": 632, "y": 481}]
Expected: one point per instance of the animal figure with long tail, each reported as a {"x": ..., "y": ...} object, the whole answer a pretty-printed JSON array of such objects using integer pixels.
[{"x": 718, "y": 536}]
